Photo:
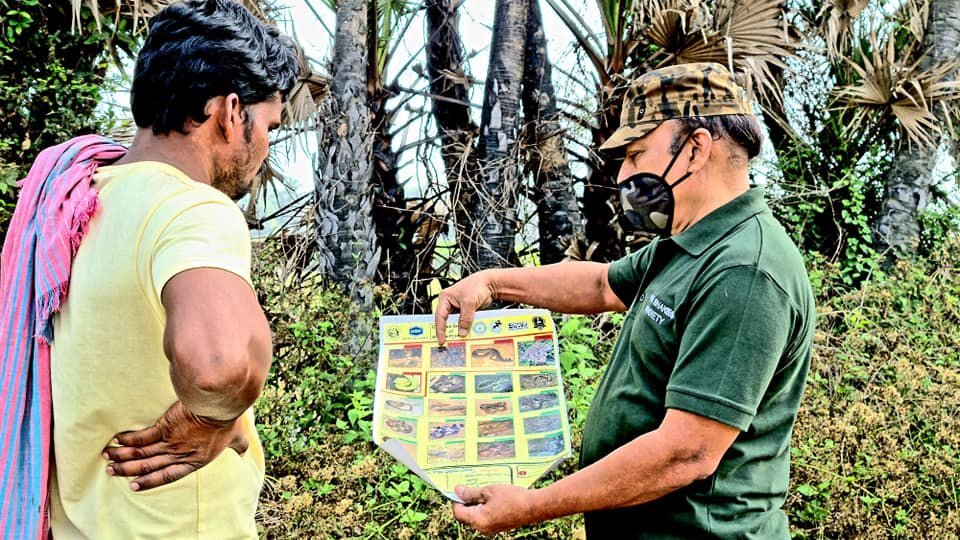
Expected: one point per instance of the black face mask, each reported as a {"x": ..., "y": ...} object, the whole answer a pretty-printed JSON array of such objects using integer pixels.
[{"x": 646, "y": 200}]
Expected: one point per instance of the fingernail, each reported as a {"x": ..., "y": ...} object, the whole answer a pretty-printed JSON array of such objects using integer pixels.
[
  {"x": 105, "y": 456},
  {"x": 110, "y": 471},
  {"x": 463, "y": 333},
  {"x": 134, "y": 486},
  {"x": 115, "y": 442}
]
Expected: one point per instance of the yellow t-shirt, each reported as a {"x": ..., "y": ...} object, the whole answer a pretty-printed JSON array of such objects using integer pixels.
[{"x": 109, "y": 372}]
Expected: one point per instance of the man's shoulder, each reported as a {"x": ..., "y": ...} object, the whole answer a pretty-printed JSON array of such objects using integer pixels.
[
  {"x": 156, "y": 181},
  {"x": 762, "y": 244},
  {"x": 183, "y": 208}
]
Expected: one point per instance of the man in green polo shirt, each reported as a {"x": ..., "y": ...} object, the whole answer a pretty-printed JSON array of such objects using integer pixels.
[{"x": 688, "y": 435}]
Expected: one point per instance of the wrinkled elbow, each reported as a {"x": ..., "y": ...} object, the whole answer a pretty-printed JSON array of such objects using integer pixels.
[
  {"x": 705, "y": 469},
  {"x": 694, "y": 463},
  {"x": 220, "y": 381},
  {"x": 221, "y": 373}
]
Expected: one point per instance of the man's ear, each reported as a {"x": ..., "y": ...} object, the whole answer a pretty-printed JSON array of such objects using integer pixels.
[
  {"x": 701, "y": 146},
  {"x": 227, "y": 114}
]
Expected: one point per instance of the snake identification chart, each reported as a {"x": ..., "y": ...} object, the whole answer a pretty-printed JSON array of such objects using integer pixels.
[{"x": 485, "y": 409}]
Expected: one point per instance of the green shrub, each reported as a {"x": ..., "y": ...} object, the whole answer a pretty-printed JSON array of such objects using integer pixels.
[
  {"x": 876, "y": 450},
  {"x": 937, "y": 226}
]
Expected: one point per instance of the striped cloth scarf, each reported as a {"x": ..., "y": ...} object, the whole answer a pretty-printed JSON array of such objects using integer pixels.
[{"x": 57, "y": 200}]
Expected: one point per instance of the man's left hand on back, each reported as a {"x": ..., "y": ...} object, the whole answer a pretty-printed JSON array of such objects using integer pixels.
[
  {"x": 496, "y": 508},
  {"x": 177, "y": 444}
]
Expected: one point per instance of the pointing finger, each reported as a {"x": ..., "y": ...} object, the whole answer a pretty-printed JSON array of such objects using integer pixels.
[{"x": 440, "y": 318}]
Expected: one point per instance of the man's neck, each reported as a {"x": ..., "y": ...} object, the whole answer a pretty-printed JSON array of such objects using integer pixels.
[
  {"x": 716, "y": 193},
  {"x": 180, "y": 151}
]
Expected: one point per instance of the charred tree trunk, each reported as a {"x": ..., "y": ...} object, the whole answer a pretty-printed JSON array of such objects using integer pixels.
[
  {"x": 897, "y": 231},
  {"x": 346, "y": 239},
  {"x": 600, "y": 196},
  {"x": 390, "y": 219},
  {"x": 558, "y": 213},
  {"x": 490, "y": 203},
  {"x": 450, "y": 86}
]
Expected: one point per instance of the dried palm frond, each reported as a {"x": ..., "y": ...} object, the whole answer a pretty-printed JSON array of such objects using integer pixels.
[
  {"x": 836, "y": 22},
  {"x": 310, "y": 90},
  {"x": 888, "y": 82},
  {"x": 751, "y": 37},
  {"x": 138, "y": 12},
  {"x": 913, "y": 15},
  {"x": 123, "y": 132}
]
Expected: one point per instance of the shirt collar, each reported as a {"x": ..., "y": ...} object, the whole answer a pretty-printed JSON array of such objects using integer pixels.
[{"x": 717, "y": 224}]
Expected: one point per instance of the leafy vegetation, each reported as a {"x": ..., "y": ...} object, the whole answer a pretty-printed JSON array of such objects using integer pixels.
[
  {"x": 51, "y": 81},
  {"x": 876, "y": 450}
]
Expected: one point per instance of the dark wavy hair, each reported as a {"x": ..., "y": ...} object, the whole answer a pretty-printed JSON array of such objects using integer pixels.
[{"x": 199, "y": 49}]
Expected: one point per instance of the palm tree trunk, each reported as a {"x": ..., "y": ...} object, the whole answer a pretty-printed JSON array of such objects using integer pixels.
[
  {"x": 908, "y": 188},
  {"x": 490, "y": 204},
  {"x": 450, "y": 90},
  {"x": 558, "y": 213},
  {"x": 449, "y": 85},
  {"x": 389, "y": 217},
  {"x": 346, "y": 238},
  {"x": 600, "y": 197}
]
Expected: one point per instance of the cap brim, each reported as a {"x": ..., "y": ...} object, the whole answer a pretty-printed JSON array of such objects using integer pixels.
[{"x": 625, "y": 135}]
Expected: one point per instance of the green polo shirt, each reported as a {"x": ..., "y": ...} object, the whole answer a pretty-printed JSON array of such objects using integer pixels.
[{"x": 721, "y": 325}]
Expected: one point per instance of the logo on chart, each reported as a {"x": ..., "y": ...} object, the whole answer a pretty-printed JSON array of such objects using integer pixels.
[
  {"x": 479, "y": 328},
  {"x": 518, "y": 325},
  {"x": 416, "y": 331}
]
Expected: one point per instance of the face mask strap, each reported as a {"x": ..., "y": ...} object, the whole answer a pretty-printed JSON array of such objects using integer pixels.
[{"x": 674, "y": 160}]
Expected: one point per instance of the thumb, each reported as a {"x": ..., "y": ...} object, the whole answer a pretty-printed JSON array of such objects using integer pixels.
[{"x": 469, "y": 495}]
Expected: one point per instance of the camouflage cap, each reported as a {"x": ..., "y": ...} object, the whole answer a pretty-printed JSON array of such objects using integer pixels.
[{"x": 682, "y": 91}]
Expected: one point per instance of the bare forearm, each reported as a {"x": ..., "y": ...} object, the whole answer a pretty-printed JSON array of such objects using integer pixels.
[
  {"x": 686, "y": 447},
  {"x": 641, "y": 471},
  {"x": 568, "y": 287}
]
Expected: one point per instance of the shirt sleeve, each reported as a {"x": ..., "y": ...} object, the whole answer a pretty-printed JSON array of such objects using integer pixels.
[
  {"x": 624, "y": 274},
  {"x": 210, "y": 234},
  {"x": 736, "y": 332}
]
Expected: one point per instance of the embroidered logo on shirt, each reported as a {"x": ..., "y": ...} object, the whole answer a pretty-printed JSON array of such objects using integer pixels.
[{"x": 657, "y": 311}]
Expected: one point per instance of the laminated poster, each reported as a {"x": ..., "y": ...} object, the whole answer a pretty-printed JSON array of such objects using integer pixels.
[{"x": 485, "y": 409}]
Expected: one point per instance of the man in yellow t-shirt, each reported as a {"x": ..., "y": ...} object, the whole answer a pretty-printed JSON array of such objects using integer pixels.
[{"x": 161, "y": 347}]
